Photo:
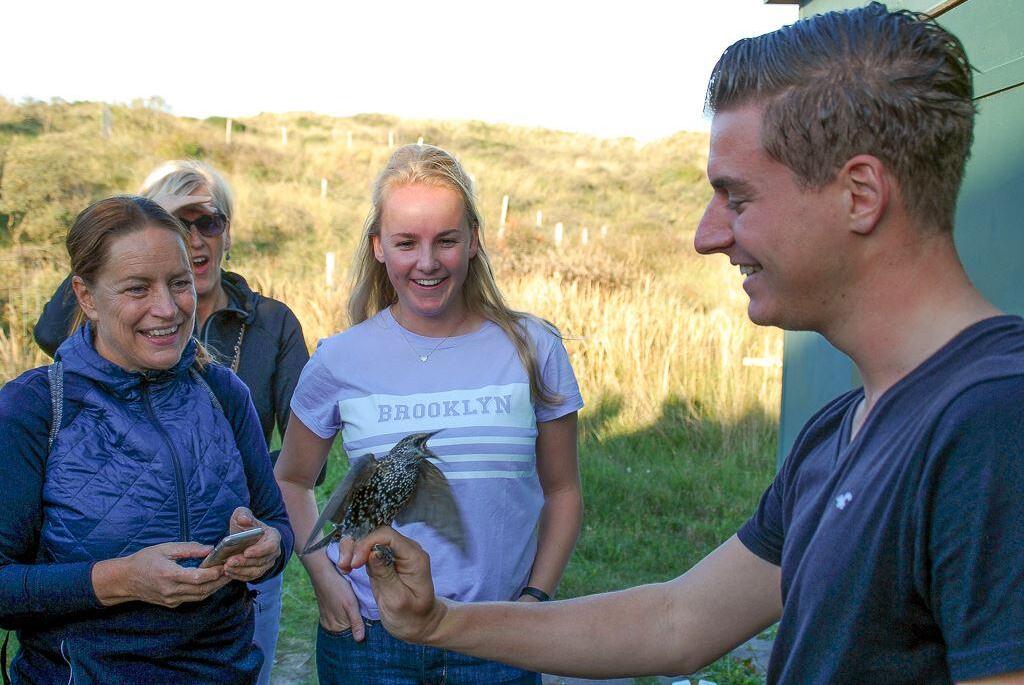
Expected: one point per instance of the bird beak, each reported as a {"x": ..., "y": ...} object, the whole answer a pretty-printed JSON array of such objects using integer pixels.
[{"x": 423, "y": 437}]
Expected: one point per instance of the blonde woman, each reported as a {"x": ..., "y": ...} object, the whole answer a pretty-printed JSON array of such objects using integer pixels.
[{"x": 433, "y": 346}]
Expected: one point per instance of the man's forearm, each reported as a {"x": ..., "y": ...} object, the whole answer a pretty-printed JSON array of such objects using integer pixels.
[
  {"x": 571, "y": 637},
  {"x": 665, "y": 628}
]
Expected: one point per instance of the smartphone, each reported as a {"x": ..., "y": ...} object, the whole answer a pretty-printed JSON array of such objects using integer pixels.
[{"x": 231, "y": 545}]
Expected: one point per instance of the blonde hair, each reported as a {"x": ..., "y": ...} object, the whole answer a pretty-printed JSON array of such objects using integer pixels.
[
  {"x": 371, "y": 289},
  {"x": 183, "y": 177}
]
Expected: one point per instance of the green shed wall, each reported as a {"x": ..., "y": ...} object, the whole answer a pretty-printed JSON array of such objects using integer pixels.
[{"x": 990, "y": 213}]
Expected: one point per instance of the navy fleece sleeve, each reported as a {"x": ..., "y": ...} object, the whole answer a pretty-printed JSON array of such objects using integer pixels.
[
  {"x": 264, "y": 495},
  {"x": 31, "y": 592},
  {"x": 53, "y": 324},
  {"x": 292, "y": 355},
  {"x": 972, "y": 526}
]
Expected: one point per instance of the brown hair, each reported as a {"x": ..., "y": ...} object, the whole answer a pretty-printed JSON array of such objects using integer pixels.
[
  {"x": 372, "y": 291},
  {"x": 894, "y": 85},
  {"x": 89, "y": 238}
]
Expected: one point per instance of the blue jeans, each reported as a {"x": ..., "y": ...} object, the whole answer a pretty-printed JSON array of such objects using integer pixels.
[
  {"x": 267, "y": 607},
  {"x": 384, "y": 660}
]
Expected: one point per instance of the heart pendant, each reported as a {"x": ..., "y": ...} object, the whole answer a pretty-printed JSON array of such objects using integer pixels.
[{"x": 423, "y": 358}]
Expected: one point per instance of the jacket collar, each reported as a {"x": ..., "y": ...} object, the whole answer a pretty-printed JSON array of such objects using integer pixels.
[
  {"x": 242, "y": 300},
  {"x": 79, "y": 356}
]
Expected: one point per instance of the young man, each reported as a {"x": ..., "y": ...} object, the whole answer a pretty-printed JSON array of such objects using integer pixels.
[{"x": 890, "y": 544}]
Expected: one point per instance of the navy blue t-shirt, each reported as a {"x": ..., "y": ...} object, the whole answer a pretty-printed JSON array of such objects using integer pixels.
[{"x": 902, "y": 551}]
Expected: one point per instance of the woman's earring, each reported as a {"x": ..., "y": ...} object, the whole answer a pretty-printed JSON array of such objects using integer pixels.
[{"x": 227, "y": 256}]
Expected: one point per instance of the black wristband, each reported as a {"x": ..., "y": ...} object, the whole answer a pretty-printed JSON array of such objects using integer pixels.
[{"x": 536, "y": 593}]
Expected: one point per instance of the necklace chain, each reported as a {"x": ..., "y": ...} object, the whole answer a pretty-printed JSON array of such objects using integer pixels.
[{"x": 424, "y": 357}]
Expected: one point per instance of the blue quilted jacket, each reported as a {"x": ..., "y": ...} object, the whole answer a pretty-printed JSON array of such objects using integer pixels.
[
  {"x": 141, "y": 459},
  {"x": 146, "y": 460}
]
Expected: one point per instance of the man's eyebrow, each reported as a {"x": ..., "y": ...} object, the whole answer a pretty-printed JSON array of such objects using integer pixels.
[{"x": 728, "y": 183}]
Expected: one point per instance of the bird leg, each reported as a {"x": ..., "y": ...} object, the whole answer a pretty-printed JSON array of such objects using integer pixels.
[{"x": 384, "y": 553}]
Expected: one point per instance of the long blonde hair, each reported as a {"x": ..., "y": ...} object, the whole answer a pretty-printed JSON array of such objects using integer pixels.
[{"x": 371, "y": 289}]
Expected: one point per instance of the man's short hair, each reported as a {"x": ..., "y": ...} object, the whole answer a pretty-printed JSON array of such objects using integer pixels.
[{"x": 894, "y": 85}]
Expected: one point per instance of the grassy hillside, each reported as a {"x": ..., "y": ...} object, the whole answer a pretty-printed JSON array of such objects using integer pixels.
[{"x": 678, "y": 435}]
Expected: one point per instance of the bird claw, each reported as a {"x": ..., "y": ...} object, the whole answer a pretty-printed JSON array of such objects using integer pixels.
[{"x": 384, "y": 553}]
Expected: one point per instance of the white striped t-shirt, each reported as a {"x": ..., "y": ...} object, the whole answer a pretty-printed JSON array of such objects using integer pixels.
[{"x": 368, "y": 383}]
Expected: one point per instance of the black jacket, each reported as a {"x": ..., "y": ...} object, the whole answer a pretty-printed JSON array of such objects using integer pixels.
[{"x": 273, "y": 350}]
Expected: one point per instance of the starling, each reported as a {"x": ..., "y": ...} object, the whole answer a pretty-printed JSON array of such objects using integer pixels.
[{"x": 402, "y": 486}]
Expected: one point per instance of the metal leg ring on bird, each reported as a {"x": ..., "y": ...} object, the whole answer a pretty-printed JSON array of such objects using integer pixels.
[{"x": 384, "y": 553}]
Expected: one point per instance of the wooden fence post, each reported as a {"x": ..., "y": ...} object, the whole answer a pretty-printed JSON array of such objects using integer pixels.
[
  {"x": 284, "y": 135},
  {"x": 329, "y": 269},
  {"x": 558, "y": 234},
  {"x": 107, "y": 124},
  {"x": 540, "y": 219},
  {"x": 227, "y": 131},
  {"x": 504, "y": 216},
  {"x": 584, "y": 235},
  {"x": 323, "y": 188},
  {"x": 391, "y": 138}
]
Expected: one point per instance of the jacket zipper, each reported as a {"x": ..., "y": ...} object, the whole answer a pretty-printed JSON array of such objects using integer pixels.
[{"x": 179, "y": 478}]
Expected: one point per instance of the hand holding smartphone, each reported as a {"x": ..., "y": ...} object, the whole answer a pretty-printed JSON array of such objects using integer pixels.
[{"x": 231, "y": 545}]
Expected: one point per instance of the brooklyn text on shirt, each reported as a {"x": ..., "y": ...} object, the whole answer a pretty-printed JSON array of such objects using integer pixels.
[
  {"x": 492, "y": 405},
  {"x": 480, "y": 405}
]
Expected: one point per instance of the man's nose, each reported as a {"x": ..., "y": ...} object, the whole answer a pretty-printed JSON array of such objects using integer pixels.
[{"x": 714, "y": 232}]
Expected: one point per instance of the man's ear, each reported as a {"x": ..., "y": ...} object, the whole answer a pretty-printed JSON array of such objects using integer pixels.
[
  {"x": 84, "y": 297},
  {"x": 867, "y": 190}
]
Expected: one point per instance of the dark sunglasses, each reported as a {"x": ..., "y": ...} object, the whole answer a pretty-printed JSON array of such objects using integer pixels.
[{"x": 208, "y": 225}]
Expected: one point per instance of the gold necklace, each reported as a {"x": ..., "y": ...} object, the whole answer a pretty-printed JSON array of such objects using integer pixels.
[{"x": 424, "y": 357}]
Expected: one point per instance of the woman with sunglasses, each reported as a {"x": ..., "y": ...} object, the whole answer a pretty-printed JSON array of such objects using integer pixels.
[{"x": 259, "y": 338}]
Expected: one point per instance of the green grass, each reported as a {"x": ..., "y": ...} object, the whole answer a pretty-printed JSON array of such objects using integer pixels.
[{"x": 657, "y": 500}]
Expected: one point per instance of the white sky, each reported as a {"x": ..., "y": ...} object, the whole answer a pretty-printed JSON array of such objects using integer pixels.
[{"x": 634, "y": 68}]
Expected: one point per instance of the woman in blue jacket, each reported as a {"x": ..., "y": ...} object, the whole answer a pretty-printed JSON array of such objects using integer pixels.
[
  {"x": 258, "y": 337},
  {"x": 123, "y": 463}
]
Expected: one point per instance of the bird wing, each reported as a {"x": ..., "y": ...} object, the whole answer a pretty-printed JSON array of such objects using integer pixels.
[
  {"x": 359, "y": 472},
  {"x": 434, "y": 504}
]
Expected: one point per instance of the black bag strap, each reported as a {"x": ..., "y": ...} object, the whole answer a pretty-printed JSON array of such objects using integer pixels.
[
  {"x": 198, "y": 378},
  {"x": 55, "y": 372}
]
